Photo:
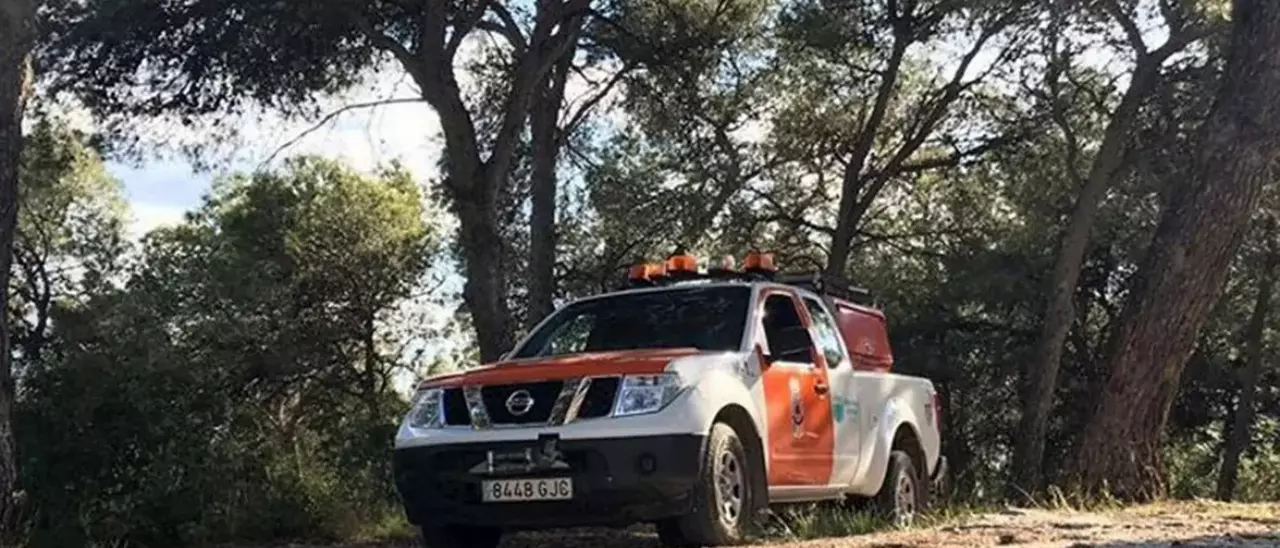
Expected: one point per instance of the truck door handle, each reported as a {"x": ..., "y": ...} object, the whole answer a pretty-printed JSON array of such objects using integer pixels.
[{"x": 821, "y": 388}]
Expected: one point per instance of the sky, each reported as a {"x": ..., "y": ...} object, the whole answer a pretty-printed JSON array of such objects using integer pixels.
[{"x": 160, "y": 190}]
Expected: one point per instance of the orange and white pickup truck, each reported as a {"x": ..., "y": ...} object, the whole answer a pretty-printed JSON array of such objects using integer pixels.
[{"x": 692, "y": 400}]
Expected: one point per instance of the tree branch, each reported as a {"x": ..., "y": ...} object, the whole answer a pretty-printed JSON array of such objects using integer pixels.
[
  {"x": 1182, "y": 37},
  {"x": 1058, "y": 64},
  {"x": 546, "y": 46},
  {"x": 578, "y": 117},
  {"x": 510, "y": 28},
  {"x": 381, "y": 41},
  {"x": 329, "y": 118},
  {"x": 1127, "y": 23},
  {"x": 462, "y": 28},
  {"x": 956, "y": 158}
]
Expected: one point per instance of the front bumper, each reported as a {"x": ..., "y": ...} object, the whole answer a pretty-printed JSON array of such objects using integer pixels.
[{"x": 616, "y": 481}]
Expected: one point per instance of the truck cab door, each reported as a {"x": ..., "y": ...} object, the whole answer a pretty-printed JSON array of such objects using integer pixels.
[
  {"x": 796, "y": 390},
  {"x": 846, "y": 408}
]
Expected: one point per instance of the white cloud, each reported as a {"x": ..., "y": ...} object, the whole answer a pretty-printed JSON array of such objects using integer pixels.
[
  {"x": 148, "y": 217},
  {"x": 362, "y": 137}
]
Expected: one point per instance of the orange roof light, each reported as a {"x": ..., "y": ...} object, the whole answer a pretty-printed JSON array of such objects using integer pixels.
[
  {"x": 759, "y": 261},
  {"x": 682, "y": 263},
  {"x": 646, "y": 272}
]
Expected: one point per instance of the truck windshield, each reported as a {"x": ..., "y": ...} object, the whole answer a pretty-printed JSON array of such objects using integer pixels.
[{"x": 706, "y": 318}]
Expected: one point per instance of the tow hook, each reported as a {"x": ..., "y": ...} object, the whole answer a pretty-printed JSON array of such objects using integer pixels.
[{"x": 545, "y": 455}]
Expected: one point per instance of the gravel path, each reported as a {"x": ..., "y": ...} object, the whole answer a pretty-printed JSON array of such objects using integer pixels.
[{"x": 1201, "y": 525}]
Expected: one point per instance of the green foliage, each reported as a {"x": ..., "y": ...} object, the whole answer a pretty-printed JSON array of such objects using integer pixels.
[
  {"x": 214, "y": 58},
  {"x": 239, "y": 386},
  {"x": 259, "y": 339},
  {"x": 69, "y": 243},
  {"x": 1194, "y": 466}
]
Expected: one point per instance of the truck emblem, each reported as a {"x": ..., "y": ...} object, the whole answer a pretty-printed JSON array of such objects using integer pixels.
[{"x": 519, "y": 402}]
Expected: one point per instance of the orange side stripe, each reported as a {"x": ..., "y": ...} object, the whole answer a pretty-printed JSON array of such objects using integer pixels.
[{"x": 639, "y": 362}]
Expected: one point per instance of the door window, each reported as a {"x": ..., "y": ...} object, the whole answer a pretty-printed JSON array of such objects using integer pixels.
[
  {"x": 828, "y": 333},
  {"x": 787, "y": 337}
]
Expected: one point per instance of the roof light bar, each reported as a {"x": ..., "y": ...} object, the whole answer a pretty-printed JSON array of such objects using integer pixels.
[{"x": 682, "y": 266}]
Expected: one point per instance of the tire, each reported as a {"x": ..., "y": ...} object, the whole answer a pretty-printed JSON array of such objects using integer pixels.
[
  {"x": 724, "y": 499},
  {"x": 457, "y": 536},
  {"x": 903, "y": 495}
]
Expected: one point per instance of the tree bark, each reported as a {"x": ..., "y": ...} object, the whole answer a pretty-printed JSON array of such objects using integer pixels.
[
  {"x": 1242, "y": 421},
  {"x": 485, "y": 291},
  {"x": 1182, "y": 276},
  {"x": 544, "y": 127},
  {"x": 1041, "y": 374},
  {"x": 846, "y": 224},
  {"x": 475, "y": 183},
  {"x": 17, "y": 34}
]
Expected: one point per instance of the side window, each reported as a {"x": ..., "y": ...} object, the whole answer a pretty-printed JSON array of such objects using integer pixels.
[
  {"x": 828, "y": 333},
  {"x": 787, "y": 337}
]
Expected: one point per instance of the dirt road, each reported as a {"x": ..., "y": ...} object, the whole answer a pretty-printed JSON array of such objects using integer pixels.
[{"x": 1182, "y": 525}]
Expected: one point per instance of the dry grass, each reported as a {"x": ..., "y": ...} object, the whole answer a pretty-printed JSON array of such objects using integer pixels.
[{"x": 1190, "y": 524}]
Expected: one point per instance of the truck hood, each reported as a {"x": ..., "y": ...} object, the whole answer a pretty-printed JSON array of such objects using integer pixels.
[{"x": 627, "y": 362}]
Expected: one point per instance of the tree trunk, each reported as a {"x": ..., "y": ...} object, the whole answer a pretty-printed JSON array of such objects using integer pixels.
[
  {"x": 846, "y": 221},
  {"x": 485, "y": 291},
  {"x": 1041, "y": 374},
  {"x": 544, "y": 129},
  {"x": 1182, "y": 277},
  {"x": 371, "y": 373},
  {"x": 1242, "y": 422},
  {"x": 17, "y": 26}
]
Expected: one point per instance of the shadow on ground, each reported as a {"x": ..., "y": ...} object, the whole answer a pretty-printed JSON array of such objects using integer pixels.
[
  {"x": 1235, "y": 540},
  {"x": 636, "y": 537}
]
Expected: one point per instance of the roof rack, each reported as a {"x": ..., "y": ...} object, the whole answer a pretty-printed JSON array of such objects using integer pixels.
[{"x": 823, "y": 285}]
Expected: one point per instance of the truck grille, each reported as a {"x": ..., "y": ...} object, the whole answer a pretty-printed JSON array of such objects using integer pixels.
[
  {"x": 544, "y": 396},
  {"x": 599, "y": 400},
  {"x": 596, "y": 403},
  {"x": 455, "y": 408}
]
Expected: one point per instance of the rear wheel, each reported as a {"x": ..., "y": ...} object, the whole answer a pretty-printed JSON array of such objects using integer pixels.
[
  {"x": 457, "y": 536},
  {"x": 724, "y": 498},
  {"x": 903, "y": 495}
]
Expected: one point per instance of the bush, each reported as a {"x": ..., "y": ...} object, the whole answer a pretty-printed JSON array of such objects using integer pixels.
[{"x": 132, "y": 441}]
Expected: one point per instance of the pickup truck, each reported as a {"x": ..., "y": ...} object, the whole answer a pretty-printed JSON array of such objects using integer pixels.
[{"x": 691, "y": 400}]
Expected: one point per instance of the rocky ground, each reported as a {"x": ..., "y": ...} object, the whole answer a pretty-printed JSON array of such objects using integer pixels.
[{"x": 1181, "y": 524}]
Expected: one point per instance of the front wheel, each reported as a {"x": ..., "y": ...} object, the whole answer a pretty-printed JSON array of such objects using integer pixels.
[
  {"x": 724, "y": 500},
  {"x": 457, "y": 536},
  {"x": 903, "y": 495}
]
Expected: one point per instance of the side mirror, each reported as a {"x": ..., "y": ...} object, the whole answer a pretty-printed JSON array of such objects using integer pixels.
[
  {"x": 794, "y": 346},
  {"x": 799, "y": 354}
]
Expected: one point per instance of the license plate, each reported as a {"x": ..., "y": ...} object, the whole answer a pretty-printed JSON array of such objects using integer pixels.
[{"x": 518, "y": 490}]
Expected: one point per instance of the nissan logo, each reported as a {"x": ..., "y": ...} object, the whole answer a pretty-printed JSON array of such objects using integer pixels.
[{"x": 519, "y": 402}]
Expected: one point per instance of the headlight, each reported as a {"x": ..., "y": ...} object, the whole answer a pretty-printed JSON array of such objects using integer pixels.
[
  {"x": 428, "y": 409},
  {"x": 643, "y": 394}
]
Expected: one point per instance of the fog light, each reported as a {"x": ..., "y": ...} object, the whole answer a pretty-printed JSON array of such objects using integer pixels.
[{"x": 647, "y": 464}]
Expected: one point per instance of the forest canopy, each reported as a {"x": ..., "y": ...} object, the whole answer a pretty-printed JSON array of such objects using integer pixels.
[{"x": 1052, "y": 201}]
